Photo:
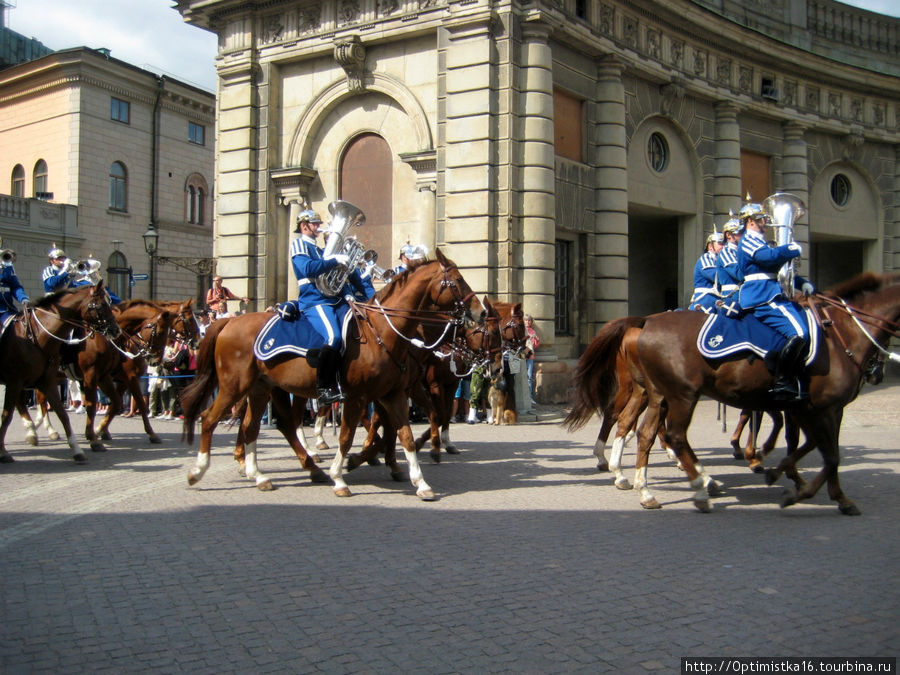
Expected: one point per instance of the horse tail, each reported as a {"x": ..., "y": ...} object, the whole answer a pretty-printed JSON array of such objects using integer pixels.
[
  {"x": 595, "y": 379},
  {"x": 195, "y": 395}
]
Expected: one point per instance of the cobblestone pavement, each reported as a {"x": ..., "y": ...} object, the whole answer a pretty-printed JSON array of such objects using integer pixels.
[{"x": 529, "y": 561}]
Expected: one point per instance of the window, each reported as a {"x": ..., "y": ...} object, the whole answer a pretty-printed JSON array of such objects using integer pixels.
[
  {"x": 567, "y": 125},
  {"x": 40, "y": 180},
  {"x": 840, "y": 189},
  {"x": 195, "y": 196},
  {"x": 119, "y": 110},
  {"x": 118, "y": 187},
  {"x": 563, "y": 287},
  {"x": 756, "y": 175},
  {"x": 196, "y": 133},
  {"x": 658, "y": 152},
  {"x": 118, "y": 275},
  {"x": 18, "y": 181}
]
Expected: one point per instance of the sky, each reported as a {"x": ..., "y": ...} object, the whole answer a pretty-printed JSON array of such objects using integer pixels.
[{"x": 151, "y": 35}]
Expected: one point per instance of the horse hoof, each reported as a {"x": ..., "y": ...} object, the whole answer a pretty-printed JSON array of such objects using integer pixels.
[
  {"x": 6, "y": 458},
  {"x": 850, "y": 509},
  {"x": 342, "y": 492},
  {"x": 451, "y": 450},
  {"x": 53, "y": 435},
  {"x": 398, "y": 476},
  {"x": 373, "y": 462},
  {"x": 265, "y": 486},
  {"x": 788, "y": 498},
  {"x": 315, "y": 457},
  {"x": 435, "y": 456},
  {"x": 353, "y": 461},
  {"x": 714, "y": 489},
  {"x": 702, "y": 505},
  {"x": 97, "y": 446},
  {"x": 757, "y": 468},
  {"x": 623, "y": 485},
  {"x": 105, "y": 436},
  {"x": 603, "y": 467},
  {"x": 321, "y": 445},
  {"x": 738, "y": 453},
  {"x": 31, "y": 440},
  {"x": 80, "y": 458},
  {"x": 155, "y": 439},
  {"x": 319, "y": 477},
  {"x": 651, "y": 503},
  {"x": 771, "y": 476},
  {"x": 192, "y": 479},
  {"x": 426, "y": 495}
]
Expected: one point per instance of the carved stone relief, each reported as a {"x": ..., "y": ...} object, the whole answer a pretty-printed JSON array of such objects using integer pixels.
[
  {"x": 834, "y": 104},
  {"x": 309, "y": 20},
  {"x": 351, "y": 56},
  {"x": 700, "y": 62},
  {"x": 878, "y": 114},
  {"x": 812, "y": 98},
  {"x": 348, "y": 11},
  {"x": 745, "y": 79},
  {"x": 790, "y": 93},
  {"x": 630, "y": 31},
  {"x": 676, "y": 53},
  {"x": 607, "y": 14},
  {"x": 386, "y": 7},
  {"x": 653, "y": 44},
  {"x": 723, "y": 72},
  {"x": 272, "y": 29},
  {"x": 856, "y": 109}
]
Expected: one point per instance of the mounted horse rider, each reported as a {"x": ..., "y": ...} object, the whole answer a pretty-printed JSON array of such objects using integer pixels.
[
  {"x": 728, "y": 275},
  {"x": 10, "y": 289},
  {"x": 762, "y": 295},
  {"x": 310, "y": 262},
  {"x": 705, "y": 287},
  {"x": 408, "y": 254},
  {"x": 62, "y": 273}
]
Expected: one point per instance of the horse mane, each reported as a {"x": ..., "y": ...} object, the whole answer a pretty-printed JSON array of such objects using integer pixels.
[
  {"x": 137, "y": 302},
  {"x": 853, "y": 288},
  {"x": 400, "y": 280},
  {"x": 52, "y": 298}
]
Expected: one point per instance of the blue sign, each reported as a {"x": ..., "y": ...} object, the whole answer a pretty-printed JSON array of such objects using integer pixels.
[{"x": 140, "y": 277}]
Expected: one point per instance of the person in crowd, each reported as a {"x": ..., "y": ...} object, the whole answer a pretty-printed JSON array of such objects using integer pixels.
[
  {"x": 321, "y": 310},
  {"x": 532, "y": 342},
  {"x": 761, "y": 294},
  {"x": 11, "y": 290},
  {"x": 61, "y": 274},
  {"x": 705, "y": 287},
  {"x": 728, "y": 275},
  {"x": 218, "y": 296},
  {"x": 409, "y": 253}
]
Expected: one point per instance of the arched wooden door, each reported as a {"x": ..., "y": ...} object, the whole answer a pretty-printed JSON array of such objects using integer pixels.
[{"x": 367, "y": 182}]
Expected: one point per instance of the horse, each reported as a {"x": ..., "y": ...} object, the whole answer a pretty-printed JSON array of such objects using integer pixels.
[
  {"x": 679, "y": 375},
  {"x": 30, "y": 350},
  {"x": 373, "y": 370},
  {"x": 112, "y": 367}
]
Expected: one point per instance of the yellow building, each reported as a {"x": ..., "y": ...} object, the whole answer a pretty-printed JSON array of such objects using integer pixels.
[
  {"x": 570, "y": 154},
  {"x": 94, "y": 151}
]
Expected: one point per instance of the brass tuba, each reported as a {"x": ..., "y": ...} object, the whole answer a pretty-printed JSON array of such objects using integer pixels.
[
  {"x": 785, "y": 209},
  {"x": 344, "y": 216},
  {"x": 89, "y": 269},
  {"x": 7, "y": 256}
]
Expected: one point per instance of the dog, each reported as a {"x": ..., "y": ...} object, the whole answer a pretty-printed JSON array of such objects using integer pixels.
[{"x": 498, "y": 398}]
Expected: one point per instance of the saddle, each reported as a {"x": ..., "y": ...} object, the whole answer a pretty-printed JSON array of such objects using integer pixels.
[
  {"x": 295, "y": 336},
  {"x": 722, "y": 336}
]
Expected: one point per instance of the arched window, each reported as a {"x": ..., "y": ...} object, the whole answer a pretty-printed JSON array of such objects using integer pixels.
[
  {"x": 40, "y": 179},
  {"x": 118, "y": 275},
  {"x": 195, "y": 196},
  {"x": 118, "y": 187},
  {"x": 18, "y": 181},
  {"x": 366, "y": 174}
]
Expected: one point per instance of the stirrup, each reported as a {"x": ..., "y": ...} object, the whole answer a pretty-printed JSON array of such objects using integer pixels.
[
  {"x": 329, "y": 396},
  {"x": 787, "y": 389}
]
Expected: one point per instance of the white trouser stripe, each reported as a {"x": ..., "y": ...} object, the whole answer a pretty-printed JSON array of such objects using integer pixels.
[
  {"x": 790, "y": 317},
  {"x": 321, "y": 313}
]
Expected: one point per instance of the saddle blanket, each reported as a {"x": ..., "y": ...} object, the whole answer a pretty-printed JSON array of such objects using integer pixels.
[
  {"x": 722, "y": 336},
  {"x": 295, "y": 337},
  {"x": 6, "y": 318}
]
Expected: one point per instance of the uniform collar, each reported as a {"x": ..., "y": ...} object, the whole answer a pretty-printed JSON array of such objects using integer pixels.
[{"x": 308, "y": 239}]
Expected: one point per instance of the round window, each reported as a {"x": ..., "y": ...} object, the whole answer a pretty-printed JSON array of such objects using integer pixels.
[
  {"x": 840, "y": 189},
  {"x": 657, "y": 152}
]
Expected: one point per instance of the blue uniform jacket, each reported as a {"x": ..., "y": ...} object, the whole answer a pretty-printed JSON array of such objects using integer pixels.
[
  {"x": 307, "y": 261},
  {"x": 55, "y": 279},
  {"x": 727, "y": 272},
  {"x": 704, "y": 277},
  {"x": 10, "y": 288},
  {"x": 759, "y": 264}
]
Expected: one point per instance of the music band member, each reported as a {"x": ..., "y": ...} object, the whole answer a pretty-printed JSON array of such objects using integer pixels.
[
  {"x": 10, "y": 289},
  {"x": 705, "y": 287},
  {"x": 308, "y": 262},
  {"x": 761, "y": 294},
  {"x": 727, "y": 274},
  {"x": 61, "y": 274}
]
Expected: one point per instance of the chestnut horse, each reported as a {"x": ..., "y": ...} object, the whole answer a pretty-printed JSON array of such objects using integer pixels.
[
  {"x": 373, "y": 369},
  {"x": 861, "y": 316},
  {"x": 30, "y": 350}
]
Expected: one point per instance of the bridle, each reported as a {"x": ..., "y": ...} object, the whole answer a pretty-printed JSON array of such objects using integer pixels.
[
  {"x": 186, "y": 335},
  {"x": 93, "y": 322},
  {"x": 859, "y": 317}
]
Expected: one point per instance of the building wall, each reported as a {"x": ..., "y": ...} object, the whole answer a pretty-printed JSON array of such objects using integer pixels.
[
  {"x": 58, "y": 109},
  {"x": 464, "y": 95}
]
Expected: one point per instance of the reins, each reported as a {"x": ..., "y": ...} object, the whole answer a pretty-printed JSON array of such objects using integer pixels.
[
  {"x": 77, "y": 324},
  {"x": 890, "y": 327}
]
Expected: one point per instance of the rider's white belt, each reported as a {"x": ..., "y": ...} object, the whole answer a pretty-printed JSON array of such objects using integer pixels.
[
  {"x": 729, "y": 287},
  {"x": 303, "y": 282},
  {"x": 704, "y": 291},
  {"x": 760, "y": 276}
]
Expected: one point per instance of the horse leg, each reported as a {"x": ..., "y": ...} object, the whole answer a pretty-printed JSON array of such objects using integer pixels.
[
  {"x": 42, "y": 415},
  {"x": 444, "y": 417},
  {"x": 10, "y": 400},
  {"x": 754, "y": 459},
  {"x": 319, "y": 428},
  {"x": 30, "y": 432},
  {"x": 133, "y": 384},
  {"x": 89, "y": 401},
  {"x": 777, "y": 425},
  {"x": 289, "y": 424},
  {"x": 679, "y": 413},
  {"x": 114, "y": 393},
  {"x": 51, "y": 394},
  {"x": 606, "y": 426},
  {"x": 353, "y": 410},
  {"x": 256, "y": 406},
  {"x": 738, "y": 430},
  {"x": 209, "y": 420}
]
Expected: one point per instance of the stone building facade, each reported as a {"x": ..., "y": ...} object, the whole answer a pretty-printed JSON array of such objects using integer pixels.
[
  {"x": 569, "y": 154},
  {"x": 94, "y": 150}
]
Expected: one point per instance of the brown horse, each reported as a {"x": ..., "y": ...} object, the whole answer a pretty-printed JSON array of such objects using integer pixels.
[
  {"x": 376, "y": 351},
  {"x": 679, "y": 375},
  {"x": 117, "y": 366},
  {"x": 30, "y": 350}
]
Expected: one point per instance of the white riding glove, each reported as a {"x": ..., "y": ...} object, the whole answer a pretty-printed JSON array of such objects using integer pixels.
[
  {"x": 807, "y": 289},
  {"x": 794, "y": 246},
  {"x": 342, "y": 258}
]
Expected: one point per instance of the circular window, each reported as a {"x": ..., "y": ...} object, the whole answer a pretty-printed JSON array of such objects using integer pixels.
[
  {"x": 840, "y": 189},
  {"x": 657, "y": 152}
]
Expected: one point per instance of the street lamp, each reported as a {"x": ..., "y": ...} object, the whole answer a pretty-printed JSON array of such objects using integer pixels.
[{"x": 151, "y": 242}]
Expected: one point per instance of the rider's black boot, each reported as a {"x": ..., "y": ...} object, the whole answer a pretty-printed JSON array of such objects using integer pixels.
[
  {"x": 328, "y": 376},
  {"x": 788, "y": 369}
]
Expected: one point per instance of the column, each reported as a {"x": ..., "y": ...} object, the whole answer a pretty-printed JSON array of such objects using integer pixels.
[
  {"x": 795, "y": 178},
  {"x": 727, "y": 183},
  {"x": 892, "y": 220},
  {"x": 608, "y": 261}
]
